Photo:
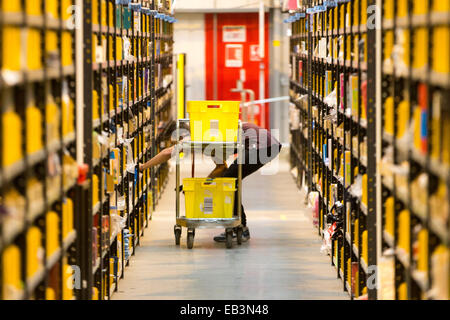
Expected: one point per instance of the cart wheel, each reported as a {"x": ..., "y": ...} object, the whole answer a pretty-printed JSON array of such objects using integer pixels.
[
  {"x": 239, "y": 232},
  {"x": 229, "y": 238},
  {"x": 177, "y": 231},
  {"x": 190, "y": 238}
]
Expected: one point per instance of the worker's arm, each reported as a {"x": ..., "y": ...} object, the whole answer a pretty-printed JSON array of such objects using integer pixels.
[
  {"x": 161, "y": 157},
  {"x": 218, "y": 171},
  {"x": 221, "y": 166}
]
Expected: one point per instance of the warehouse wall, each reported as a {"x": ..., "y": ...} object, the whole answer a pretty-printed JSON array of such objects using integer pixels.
[
  {"x": 189, "y": 35},
  {"x": 189, "y": 38},
  {"x": 220, "y": 5}
]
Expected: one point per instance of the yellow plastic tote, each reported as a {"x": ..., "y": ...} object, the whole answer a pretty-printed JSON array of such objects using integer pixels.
[
  {"x": 207, "y": 198},
  {"x": 212, "y": 121}
]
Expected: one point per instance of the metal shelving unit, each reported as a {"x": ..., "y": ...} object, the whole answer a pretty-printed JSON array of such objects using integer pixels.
[
  {"x": 100, "y": 218},
  {"x": 38, "y": 192},
  {"x": 415, "y": 125},
  {"x": 127, "y": 97},
  {"x": 331, "y": 53},
  {"x": 402, "y": 229}
]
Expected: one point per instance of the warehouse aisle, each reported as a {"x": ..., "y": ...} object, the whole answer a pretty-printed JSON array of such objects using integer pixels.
[{"x": 281, "y": 261}]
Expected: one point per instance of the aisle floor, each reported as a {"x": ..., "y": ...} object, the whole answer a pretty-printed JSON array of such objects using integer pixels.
[{"x": 281, "y": 261}]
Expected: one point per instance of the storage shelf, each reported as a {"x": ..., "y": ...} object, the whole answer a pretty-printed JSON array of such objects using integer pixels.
[
  {"x": 440, "y": 79},
  {"x": 348, "y": 288},
  {"x": 355, "y": 250},
  {"x": 122, "y": 102},
  {"x": 36, "y": 157},
  {"x": 11, "y": 234},
  {"x": 69, "y": 240},
  {"x": 440, "y": 18},
  {"x": 36, "y": 209},
  {"x": 12, "y": 171},
  {"x": 96, "y": 208},
  {"x": 420, "y": 88},
  {"x": 35, "y": 280},
  {"x": 96, "y": 266},
  {"x": 343, "y": 138},
  {"x": 14, "y": 78},
  {"x": 53, "y": 259},
  {"x": 388, "y": 238},
  {"x": 139, "y": 88},
  {"x": 347, "y": 237},
  {"x": 364, "y": 265},
  {"x": 19, "y": 19},
  {"x": 420, "y": 278},
  {"x": 402, "y": 256}
]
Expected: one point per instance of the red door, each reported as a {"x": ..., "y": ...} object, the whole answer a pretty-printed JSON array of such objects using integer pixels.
[{"x": 237, "y": 39}]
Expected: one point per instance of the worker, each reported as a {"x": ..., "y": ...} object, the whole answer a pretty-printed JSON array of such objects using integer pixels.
[{"x": 260, "y": 147}]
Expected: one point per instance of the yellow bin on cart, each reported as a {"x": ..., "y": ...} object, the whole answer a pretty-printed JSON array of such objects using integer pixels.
[
  {"x": 207, "y": 198},
  {"x": 212, "y": 121}
]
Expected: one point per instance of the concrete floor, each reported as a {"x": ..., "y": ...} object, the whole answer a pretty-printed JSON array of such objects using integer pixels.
[{"x": 281, "y": 261}]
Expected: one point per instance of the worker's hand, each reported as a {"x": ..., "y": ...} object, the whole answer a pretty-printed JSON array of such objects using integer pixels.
[
  {"x": 223, "y": 165},
  {"x": 218, "y": 171},
  {"x": 141, "y": 167}
]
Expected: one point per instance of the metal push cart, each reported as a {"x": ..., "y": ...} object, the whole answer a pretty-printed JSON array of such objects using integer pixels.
[{"x": 208, "y": 223}]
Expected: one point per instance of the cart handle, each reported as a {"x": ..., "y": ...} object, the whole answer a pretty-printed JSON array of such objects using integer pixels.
[{"x": 208, "y": 182}]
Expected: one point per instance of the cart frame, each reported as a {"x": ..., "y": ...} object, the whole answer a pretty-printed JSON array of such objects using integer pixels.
[{"x": 208, "y": 223}]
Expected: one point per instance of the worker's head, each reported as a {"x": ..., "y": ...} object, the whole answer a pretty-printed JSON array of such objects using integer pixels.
[{"x": 183, "y": 131}]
